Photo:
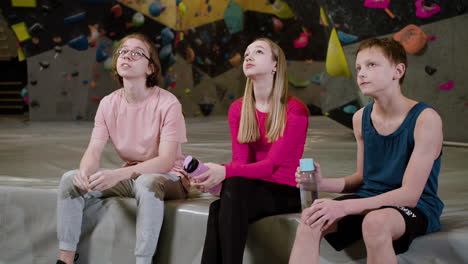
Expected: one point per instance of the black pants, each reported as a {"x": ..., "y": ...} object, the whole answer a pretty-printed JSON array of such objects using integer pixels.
[{"x": 242, "y": 202}]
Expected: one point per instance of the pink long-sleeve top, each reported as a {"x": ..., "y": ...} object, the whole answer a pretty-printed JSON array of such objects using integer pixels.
[{"x": 273, "y": 162}]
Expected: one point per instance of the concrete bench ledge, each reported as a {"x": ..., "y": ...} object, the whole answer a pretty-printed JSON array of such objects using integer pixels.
[{"x": 28, "y": 222}]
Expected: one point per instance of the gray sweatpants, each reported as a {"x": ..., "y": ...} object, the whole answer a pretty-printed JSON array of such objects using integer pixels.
[{"x": 149, "y": 190}]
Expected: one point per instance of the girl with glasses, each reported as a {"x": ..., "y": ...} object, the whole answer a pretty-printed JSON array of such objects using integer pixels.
[{"x": 146, "y": 126}]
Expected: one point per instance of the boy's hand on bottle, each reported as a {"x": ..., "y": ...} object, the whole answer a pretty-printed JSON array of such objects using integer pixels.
[{"x": 317, "y": 173}]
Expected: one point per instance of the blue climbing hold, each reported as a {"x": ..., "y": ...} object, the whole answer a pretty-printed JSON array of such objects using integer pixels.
[
  {"x": 79, "y": 43},
  {"x": 350, "y": 109},
  {"x": 167, "y": 36},
  {"x": 316, "y": 78},
  {"x": 155, "y": 9},
  {"x": 101, "y": 54},
  {"x": 345, "y": 37},
  {"x": 165, "y": 52}
]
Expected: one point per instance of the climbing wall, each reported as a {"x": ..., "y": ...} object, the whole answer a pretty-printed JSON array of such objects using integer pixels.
[
  {"x": 183, "y": 15},
  {"x": 201, "y": 44},
  {"x": 67, "y": 85}
]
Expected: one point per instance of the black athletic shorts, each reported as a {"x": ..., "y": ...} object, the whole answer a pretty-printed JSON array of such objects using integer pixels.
[{"x": 350, "y": 227}]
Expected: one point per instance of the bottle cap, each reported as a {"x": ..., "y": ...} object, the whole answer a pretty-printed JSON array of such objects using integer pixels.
[
  {"x": 187, "y": 161},
  {"x": 307, "y": 164}
]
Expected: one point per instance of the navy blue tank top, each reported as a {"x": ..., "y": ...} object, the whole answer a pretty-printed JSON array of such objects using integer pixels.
[{"x": 386, "y": 159}]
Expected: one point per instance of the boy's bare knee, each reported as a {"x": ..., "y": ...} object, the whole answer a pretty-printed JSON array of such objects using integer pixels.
[
  {"x": 376, "y": 228},
  {"x": 374, "y": 222},
  {"x": 307, "y": 233}
]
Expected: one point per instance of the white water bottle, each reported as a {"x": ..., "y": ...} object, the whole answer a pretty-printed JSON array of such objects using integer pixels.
[{"x": 308, "y": 183}]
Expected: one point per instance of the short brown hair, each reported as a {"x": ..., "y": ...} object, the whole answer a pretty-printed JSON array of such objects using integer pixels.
[
  {"x": 154, "y": 77},
  {"x": 391, "y": 49}
]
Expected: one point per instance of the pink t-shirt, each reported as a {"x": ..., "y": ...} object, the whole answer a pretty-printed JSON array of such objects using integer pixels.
[
  {"x": 273, "y": 162},
  {"x": 137, "y": 129}
]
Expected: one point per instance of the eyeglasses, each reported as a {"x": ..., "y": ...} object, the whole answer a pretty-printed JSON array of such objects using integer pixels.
[{"x": 134, "y": 55}]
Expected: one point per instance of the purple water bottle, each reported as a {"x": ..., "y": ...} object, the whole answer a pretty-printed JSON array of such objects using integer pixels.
[{"x": 194, "y": 167}]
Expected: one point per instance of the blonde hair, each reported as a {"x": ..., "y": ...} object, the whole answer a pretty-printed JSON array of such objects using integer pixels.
[
  {"x": 152, "y": 79},
  {"x": 276, "y": 121}
]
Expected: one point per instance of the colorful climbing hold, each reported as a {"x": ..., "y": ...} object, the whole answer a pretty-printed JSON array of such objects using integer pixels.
[
  {"x": 171, "y": 60},
  {"x": 167, "y": 36},
  {"x": 190, "y": 55},
  {"x": 94, "y": 33},
  {"x": 316, "y": 78},
  {"x": 116, "y": 10},
  {"x": 138, "y": 19},
  {"x": 57, "y": 40},
  {"x": 346, "y": 38},
  {"x": 350, "y": 109},
  {"x": 101, "y": 54},
  {"x": 181, "y": 8},
  {"x": 412, "y": 38},
  {"x": 108, "y": 64},
  {"x": 297, "y": 82},
  {"x": 336, "y": 63},
  {"x": 35, "y": 40},
  {"x": 282, "y": 10},
  {"x": 79, "y": 43},
  {"x": 24, "y": 92},
  {"x": 447, "y": 86},
  {"x": 301, "y": 41},
  {"x": 234, "y": 17},
  {"x": 376, "y": 3},
  {"x": 165, "y": 52},
  {"x": 155, "y": 9},
  {"x": 423, "y": 11},
  {"x": 277, "y": 24},
  {"x": 44, "y": 64},
  {"x": 430, "y": 70}
]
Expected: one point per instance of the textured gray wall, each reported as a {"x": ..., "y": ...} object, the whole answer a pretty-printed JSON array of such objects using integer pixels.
[
  {"x": 217, "y": 90},
  {"x": 301, "y": 70}
]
